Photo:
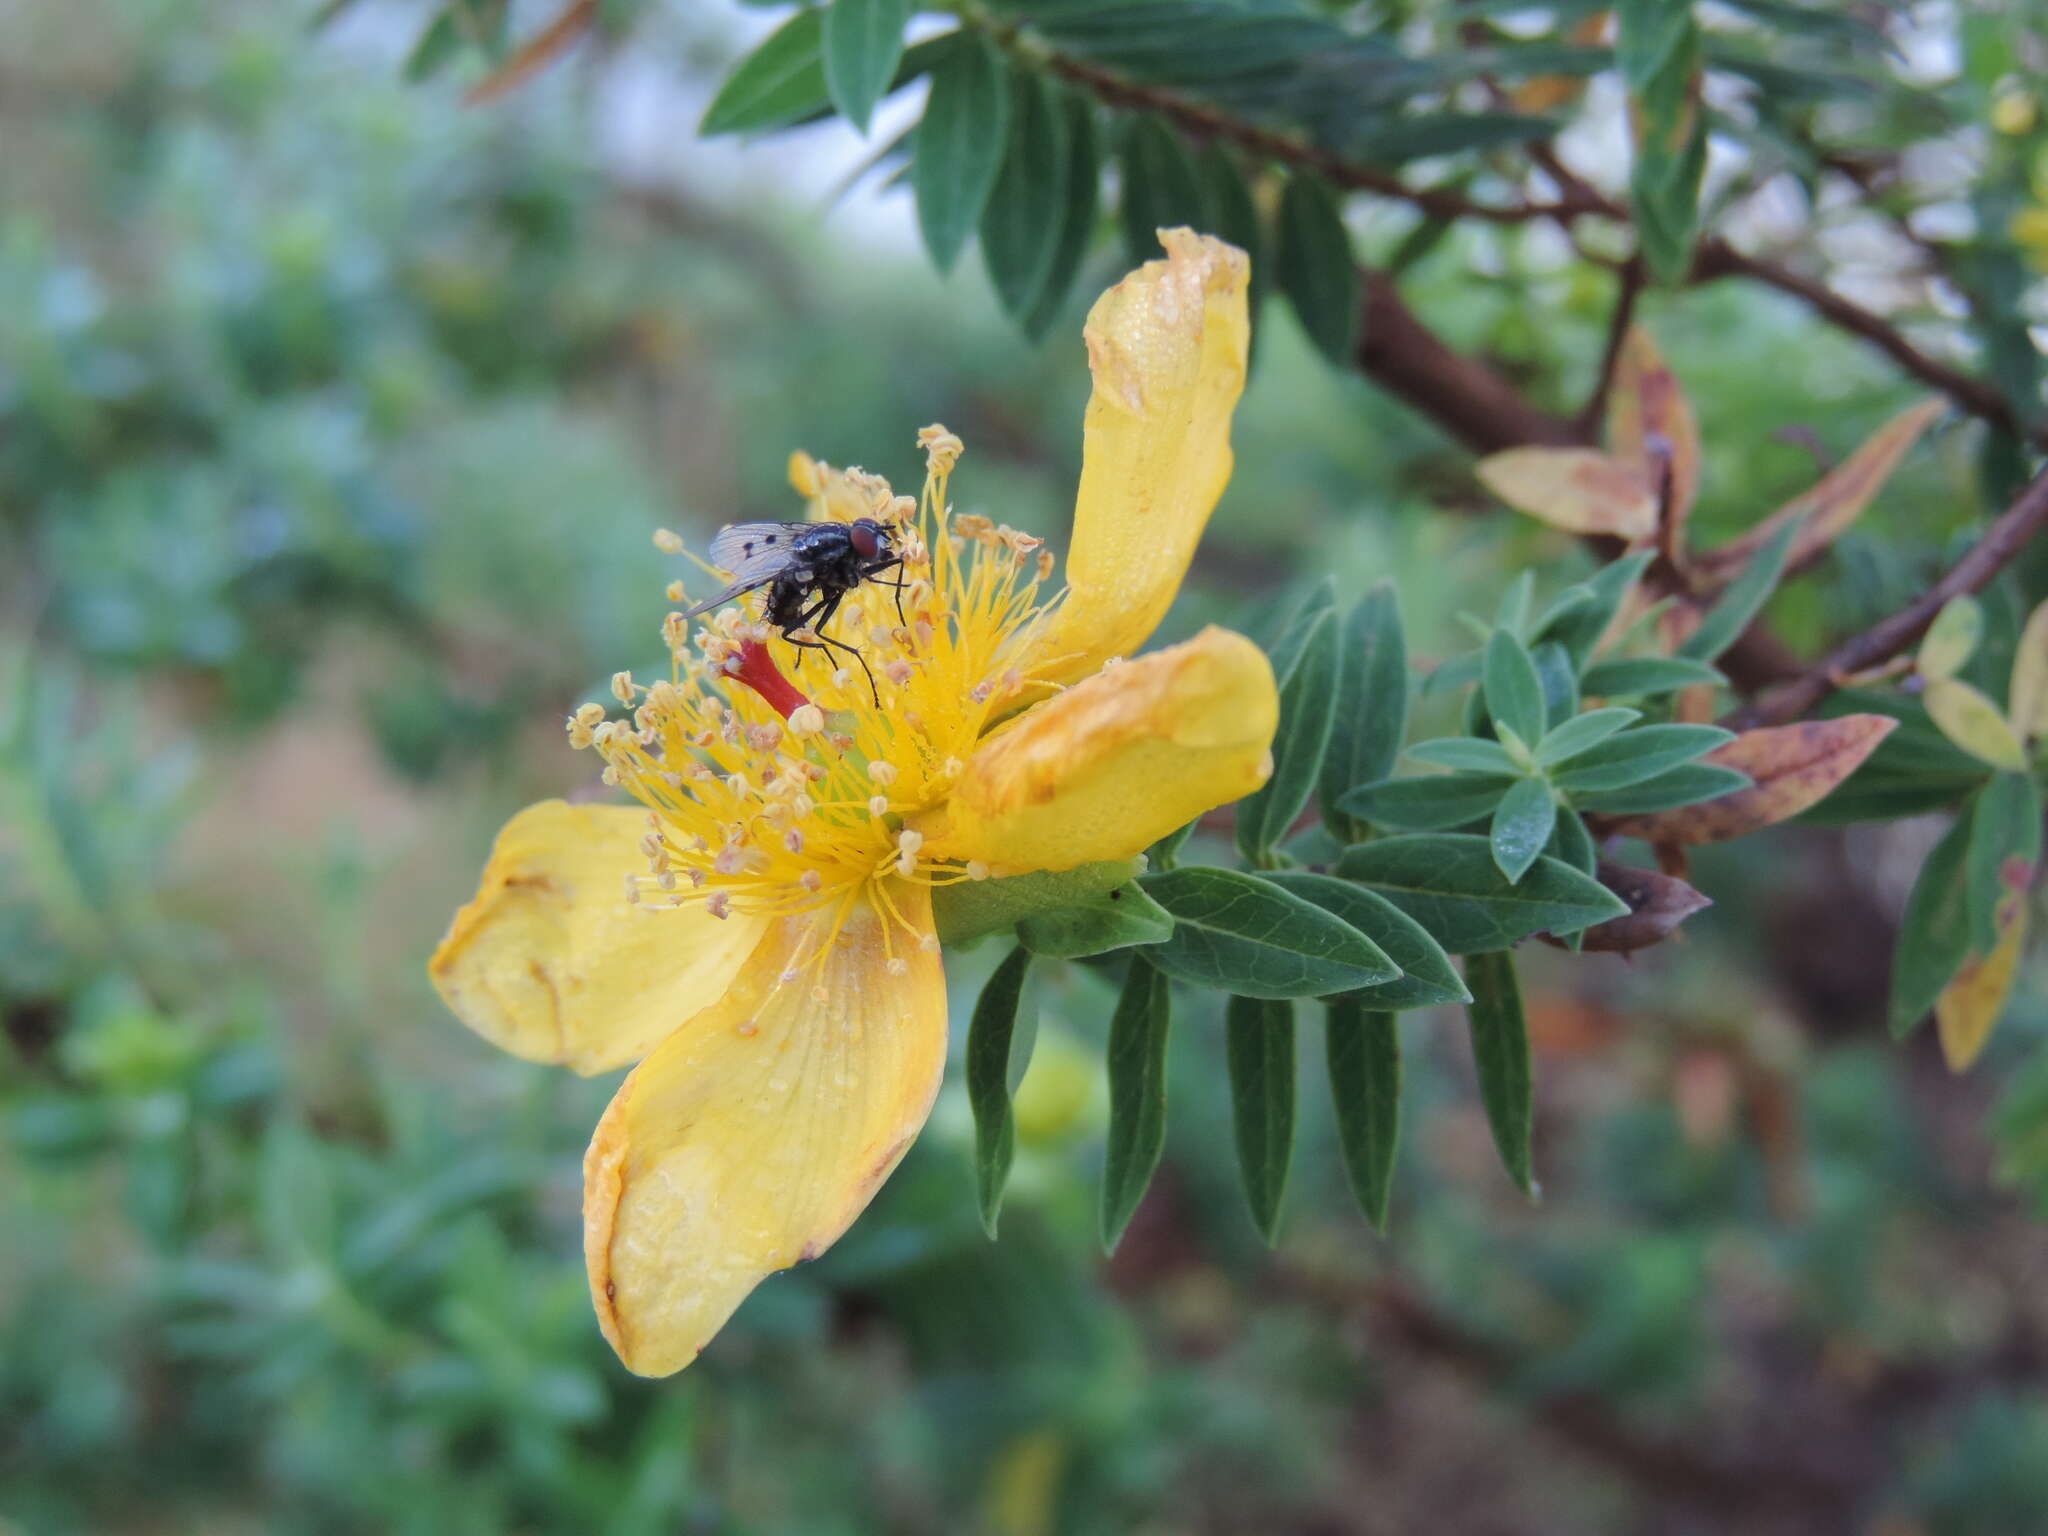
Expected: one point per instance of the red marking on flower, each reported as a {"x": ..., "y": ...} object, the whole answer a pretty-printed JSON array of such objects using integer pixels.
[{"x": 758, "y": 671}]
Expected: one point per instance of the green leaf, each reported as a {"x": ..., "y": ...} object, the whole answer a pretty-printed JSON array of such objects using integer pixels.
[
  {"x": 1433, "y": 802},
  {"x": 2004, "y": 849},
  {"x": 1514, "y": 693},
  {"x": 1137, "y": 1095},
  {"x": 1579, "y": 626},
  {"x": 439, "y": 41},
  {"x": 1232, "y": 214},
  {"x": 1261, "y": 1058},
  {"x": 1500, "y": 1052},
  {"x": 862, "y": 44},
  {"x": 991, "y": 1071},
  {"x": 1018, "y": 241},
  {"x": 1521, "y": 826},
  {"x": 1560, "y": 679},
  {"x": 1075, "y": 216},
  {"x": 1117, "y": 919},
  {"x": 974, "y": 909},
  {"x": 1427, "y": 976},
  {"x": 1745, "y": 597},
  {"x": 1934, "y": 938},
  {"x": 1371, "y": 717},
  {"x": 1244, "y": 934},
  {"x": 1305, "y": 666},
  {"x": 1687, "y": 784},
  {"x": 1467, "y": 754},
  {"x": 776, "y": 84},
  {"x": 1161, "y": 187},
  {"x": 1637, "y": 755},
  {"x": 1643, "y": 677},
  {"x": 1448, "y": 882},
  {"x": 1564, "y": 742},
  {"x": 1315, "y": 266},
  {"x": 959, "y": 148},
  {"x": 1363, "y": 1050},
  {"x": 1572, "y": 844}
]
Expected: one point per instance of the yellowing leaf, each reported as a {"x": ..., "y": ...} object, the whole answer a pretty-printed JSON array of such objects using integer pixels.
[
  {"x": 1834, "y": 503},
  {"x": 1649, "y": 419},
  {"x": 1973, "y": 723},
  {"x": 1793, "y": 766},
  {"x": 1969, "y": 1005},
  {"x": 1577, "y": 489},
  {"x": 1951, "y": 639},
  {"x": 2029, "y": 699}
]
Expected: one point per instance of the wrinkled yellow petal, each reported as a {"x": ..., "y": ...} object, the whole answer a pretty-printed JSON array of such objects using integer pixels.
[
  {"x": 1167, "y": 349},
  {"x": 1109, "y": 767},
  {"x": 550, "y": 962},
  {"x": 757, "y": 1132}
]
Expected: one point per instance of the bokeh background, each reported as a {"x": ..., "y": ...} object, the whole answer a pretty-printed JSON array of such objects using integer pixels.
[{"x": 334, "y": 422}]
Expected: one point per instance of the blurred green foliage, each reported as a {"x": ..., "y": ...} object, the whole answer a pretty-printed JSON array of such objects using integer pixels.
[{"x": 333, "y": 422}]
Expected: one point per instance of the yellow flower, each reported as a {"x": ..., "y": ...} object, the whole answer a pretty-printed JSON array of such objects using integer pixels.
[{"x": 758, "y": 933}]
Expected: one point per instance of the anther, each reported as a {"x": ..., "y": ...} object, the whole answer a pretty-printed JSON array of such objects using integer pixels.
[
  {"x": 806, "y": 720},
  {"x": 668, "y": 541}
]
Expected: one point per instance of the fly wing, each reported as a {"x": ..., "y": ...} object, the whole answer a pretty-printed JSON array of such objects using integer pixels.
[
  {"x": 755, "y": 552},
  {"x": 720, "y": 599}
]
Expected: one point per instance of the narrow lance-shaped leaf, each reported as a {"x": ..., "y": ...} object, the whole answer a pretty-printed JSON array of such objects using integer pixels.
[
  {"x": 1934, "y": 938},
  {"x": 1790, "y": 769},
  {"x": 1075, "y": 216},
  {"x": 1117, "y": 919},
  {"x": 1363, "y": 1050},
  {"x": 1307, "y": 671},
  {"x": 1581, "y": 627},
  {"x": 1467, "y": 754},
  {"x": 776, "y": 84},
  {"x": 1371, "y": 716},
  {"x": 1579, "y": 490},
  {"x": 1951, "y": 639},
  {"x": 991, "y": 1071},
  {"x": 2003, "y": 852},
  {"x": 2027, "y": 706},
  {"x": 1521, "y": 826},
  {"x": 1500, "y": 1052},
  {"x": 1689, "y": 784},
  {"x": 959, "y": 148},
  {"x": 1448, "y": 883},
  {"x": 1974, "y": 723},
  {"x": 1261, "y": 1059},
  {"x": 1018, "y": 241},
  {"x": 1565, "y": 742},
  {"x": 1316, "y": 269},
  {"x": 1644, "y": 677},
  {"x": 1161, "y": 187},
  {"x": 1744, "y": 599},
  {"x": 1137, "y": 1095},
  {"x": 1637, "y": 755},
  {"x": 1650, "y": 422},
  {"x": 1427, "y": 975},
  {"x": 863, "y": 42},
  {"x": 1514, "y": 693},
  {"x": 1433, "y": 802},
  {"x": 1244, "y": 934},
  {"x": 1969, "y": 1006}
]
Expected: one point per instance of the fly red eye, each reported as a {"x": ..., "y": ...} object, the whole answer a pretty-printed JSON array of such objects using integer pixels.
[{"x": 866, "y": 539}]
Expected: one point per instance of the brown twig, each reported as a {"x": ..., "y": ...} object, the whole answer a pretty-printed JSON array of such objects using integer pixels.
[
  {"x": 1629, "y": 278},
  {"x": 2003, "y": 540}
]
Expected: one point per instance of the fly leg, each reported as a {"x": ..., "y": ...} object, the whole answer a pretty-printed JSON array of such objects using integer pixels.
[{"x": 829, "y": 606}]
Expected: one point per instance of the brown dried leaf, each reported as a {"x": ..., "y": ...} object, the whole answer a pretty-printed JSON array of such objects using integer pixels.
[
  {"x": 535, "y": 54},
  {"x": 1650, "y": 422},
  {"x": 1579, "y": 490},
  {"x": 1657, "y": 904},
  {"x": 1793, "y": 767},
  {"x": 1970, "y": 1004},
  {"x": 1834, "y": 502}
]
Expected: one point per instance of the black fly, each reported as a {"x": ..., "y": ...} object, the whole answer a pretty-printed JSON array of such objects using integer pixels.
[{"x": 808, "y": 568}]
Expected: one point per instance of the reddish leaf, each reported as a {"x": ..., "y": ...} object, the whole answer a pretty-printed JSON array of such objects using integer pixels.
[
  {"x": 1834, "y": 503},
  {"x": 1793, "y": 766},
  {"x": 1970, "y": 1004},
  {"x": 1657, "y": 904}
]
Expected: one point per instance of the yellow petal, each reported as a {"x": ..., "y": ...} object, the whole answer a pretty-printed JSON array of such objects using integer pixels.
[
  {"x": 1109, "y": 767},
  {"x": 754, "y": 1135},
  {"x": 550, "y": 962},
  {"x": 1167, "y": 349}
]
